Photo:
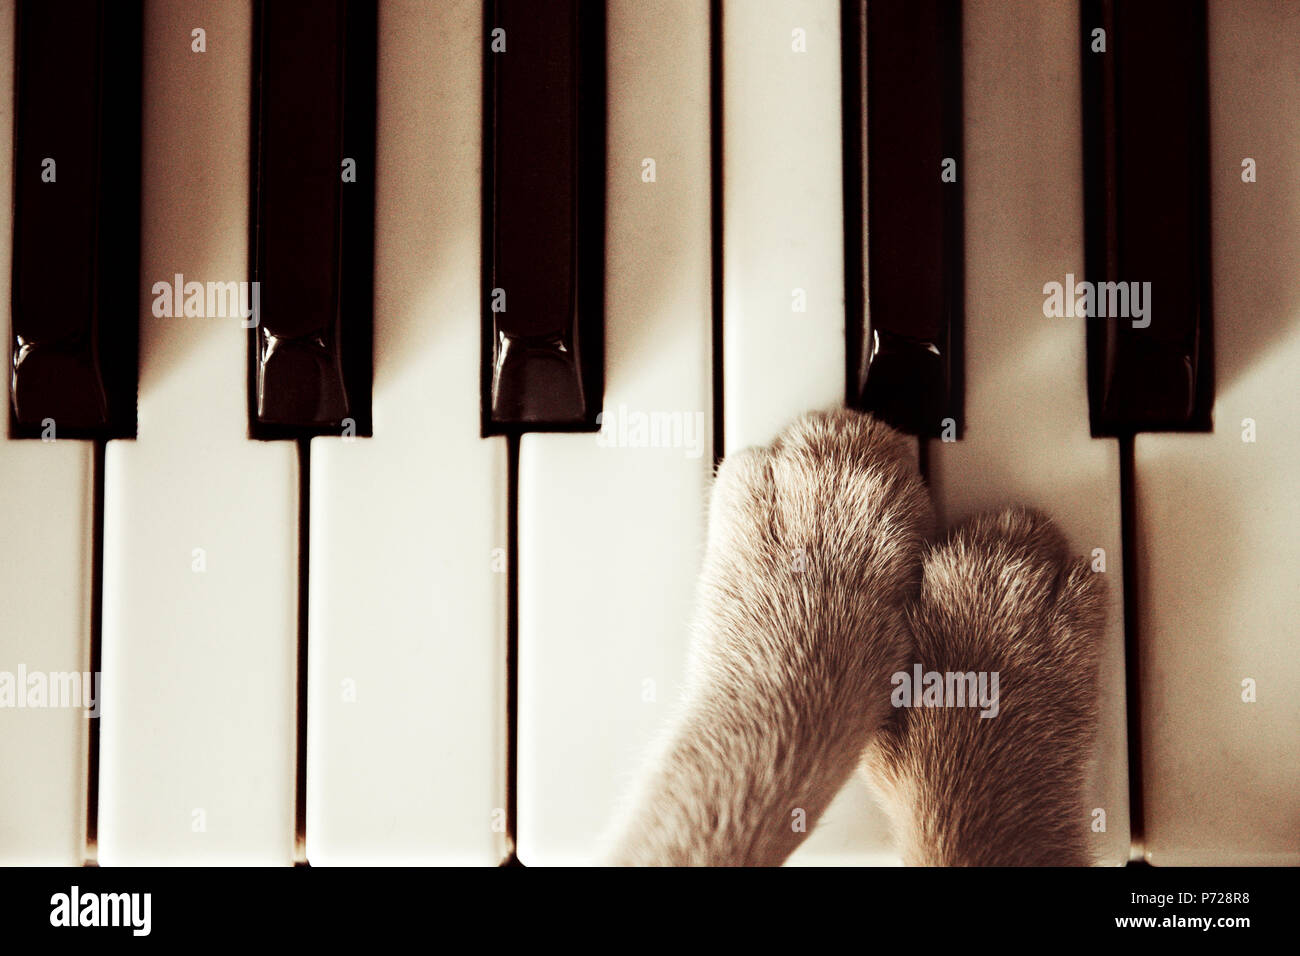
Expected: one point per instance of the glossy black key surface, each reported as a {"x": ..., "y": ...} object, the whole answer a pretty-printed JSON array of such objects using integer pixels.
[
  {"x": 1146, "y": 136},
  {"x": 76, "y": 240},
  {"x": 902, "y": 96},
  {"x": 313, "y": 229},
  {"x": 543, "y": 215}
]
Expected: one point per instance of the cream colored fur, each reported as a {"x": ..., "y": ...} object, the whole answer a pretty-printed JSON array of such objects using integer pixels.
[
  {"x": 1000, "y": 595},
  {"x": 809, "y": 600}
]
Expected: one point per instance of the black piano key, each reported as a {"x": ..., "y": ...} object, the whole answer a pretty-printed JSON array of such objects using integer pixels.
[
  {"x": 313, "y": 228},
  {"x": 1146, "y": 137},
  {"x": 76, "y": 240},
  {"x": 904, "y": 323},
  {"x": 543, "y": 215}
]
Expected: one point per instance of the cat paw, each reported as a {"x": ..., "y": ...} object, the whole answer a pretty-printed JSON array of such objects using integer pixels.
[
  {"x": 814, "y": 550},
  {"x": 997, "y": 779},
  {"x": 1004, "y": 591}
]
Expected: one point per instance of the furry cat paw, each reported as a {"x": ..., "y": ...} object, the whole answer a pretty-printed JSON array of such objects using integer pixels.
[
  {"x": 998, "y": 780},
  {"x": 814, "y": 550},
  {"x": 813, "y": 553}
]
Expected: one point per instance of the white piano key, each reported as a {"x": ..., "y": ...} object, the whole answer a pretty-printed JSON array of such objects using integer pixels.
[
  {"x": 1218, "y": 527},
  {"x": 407, "y": 704},
  {"x": 1027, "y": 434},
  {"x": 783, "y": 215},
  {"x": 200, "y": 567},
  {"x": 610, "y": 537},
  {"x": 45, "y": 581},
  {"x": 783, "y": 240}
]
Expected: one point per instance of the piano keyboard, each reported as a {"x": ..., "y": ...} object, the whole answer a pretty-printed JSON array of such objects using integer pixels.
[{"x": 389, "y": 557}]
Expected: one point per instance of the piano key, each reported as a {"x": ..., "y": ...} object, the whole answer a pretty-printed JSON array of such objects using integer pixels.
[
  {"x": 314, "y": 231},
  {"x": 1146, "y": 190},
  {"x": 611, "y": 526},
  {"x": 407, "y": 686},
  {"x": 45, "y": 589},
  {"x": 783, "y": 252},
  {"x": 1027, "y": 439},
  {"x": 783, "y": 215},
  {"x": 903, "y": 108},
  {"x": 543, "y": 215},
  {"x": 76, "y": 218},
  {"x": 1218, "y": 534},
  {"x": 197, "y": 748},
  {"x": 45, "y": 586}
]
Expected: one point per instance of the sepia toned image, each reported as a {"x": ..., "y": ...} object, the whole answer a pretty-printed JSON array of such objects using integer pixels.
[{"x": 723, "y": 433}]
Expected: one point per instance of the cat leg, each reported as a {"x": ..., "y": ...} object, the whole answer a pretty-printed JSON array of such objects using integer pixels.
[
  {"x": 813, "y": 552},
  {"x": 1001, "y": 783}
]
